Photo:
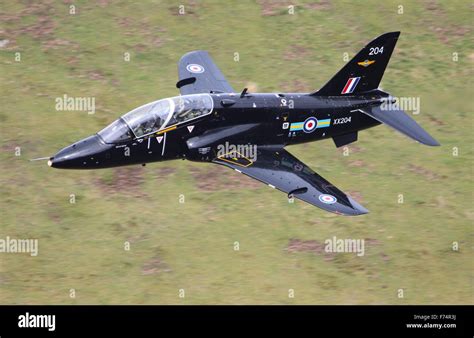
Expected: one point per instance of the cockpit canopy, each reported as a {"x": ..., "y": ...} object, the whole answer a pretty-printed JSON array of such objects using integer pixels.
[{"x": 158, "y": 115}]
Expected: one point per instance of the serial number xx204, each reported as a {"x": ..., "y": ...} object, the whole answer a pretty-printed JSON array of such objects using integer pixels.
[{"x": 342, "y": 120}]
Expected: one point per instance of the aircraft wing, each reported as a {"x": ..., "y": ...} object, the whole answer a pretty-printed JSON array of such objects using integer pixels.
[
  {"x": 199, "y": 74},
  {"x": 281, "y": 170}
]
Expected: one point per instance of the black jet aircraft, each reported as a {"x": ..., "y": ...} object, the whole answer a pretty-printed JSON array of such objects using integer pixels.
[{"x": 210, "y": 114}]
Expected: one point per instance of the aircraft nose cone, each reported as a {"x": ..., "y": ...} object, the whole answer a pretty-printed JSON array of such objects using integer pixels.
[{"x": 80, "y": 155}]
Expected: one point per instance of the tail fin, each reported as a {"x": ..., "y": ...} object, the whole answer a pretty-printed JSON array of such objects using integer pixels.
[{"x": 364, "y": 72}]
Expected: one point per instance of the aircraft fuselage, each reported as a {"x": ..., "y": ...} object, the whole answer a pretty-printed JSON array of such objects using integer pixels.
[{"x": 260, "y": 119}]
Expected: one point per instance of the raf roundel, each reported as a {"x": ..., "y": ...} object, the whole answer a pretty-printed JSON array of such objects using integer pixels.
[
  {"x": 327, "y": 199},
  {"x": 195, "y": 68},
  {"x": 310, "y": 124}
]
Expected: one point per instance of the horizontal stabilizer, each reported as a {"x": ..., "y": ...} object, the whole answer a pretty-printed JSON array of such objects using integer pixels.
[{"x": 400, "y": 121}]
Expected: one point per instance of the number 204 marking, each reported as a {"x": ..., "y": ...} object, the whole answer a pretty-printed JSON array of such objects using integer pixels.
[{"x": 376, "y": 50}]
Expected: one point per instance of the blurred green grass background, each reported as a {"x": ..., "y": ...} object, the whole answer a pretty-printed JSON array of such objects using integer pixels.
[{"x": 190, "y": 246}]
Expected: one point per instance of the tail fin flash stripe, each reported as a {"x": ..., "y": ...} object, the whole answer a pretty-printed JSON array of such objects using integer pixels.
[
  {"x": 350, "y": 85},
  {"x": 346, "y": 87}
]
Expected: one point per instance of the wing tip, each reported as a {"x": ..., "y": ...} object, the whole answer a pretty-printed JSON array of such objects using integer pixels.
[
  {"x": 357, "y": 209},
  {"x": 432, "y": 143},
  {"x": 192, "y": 52}
]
